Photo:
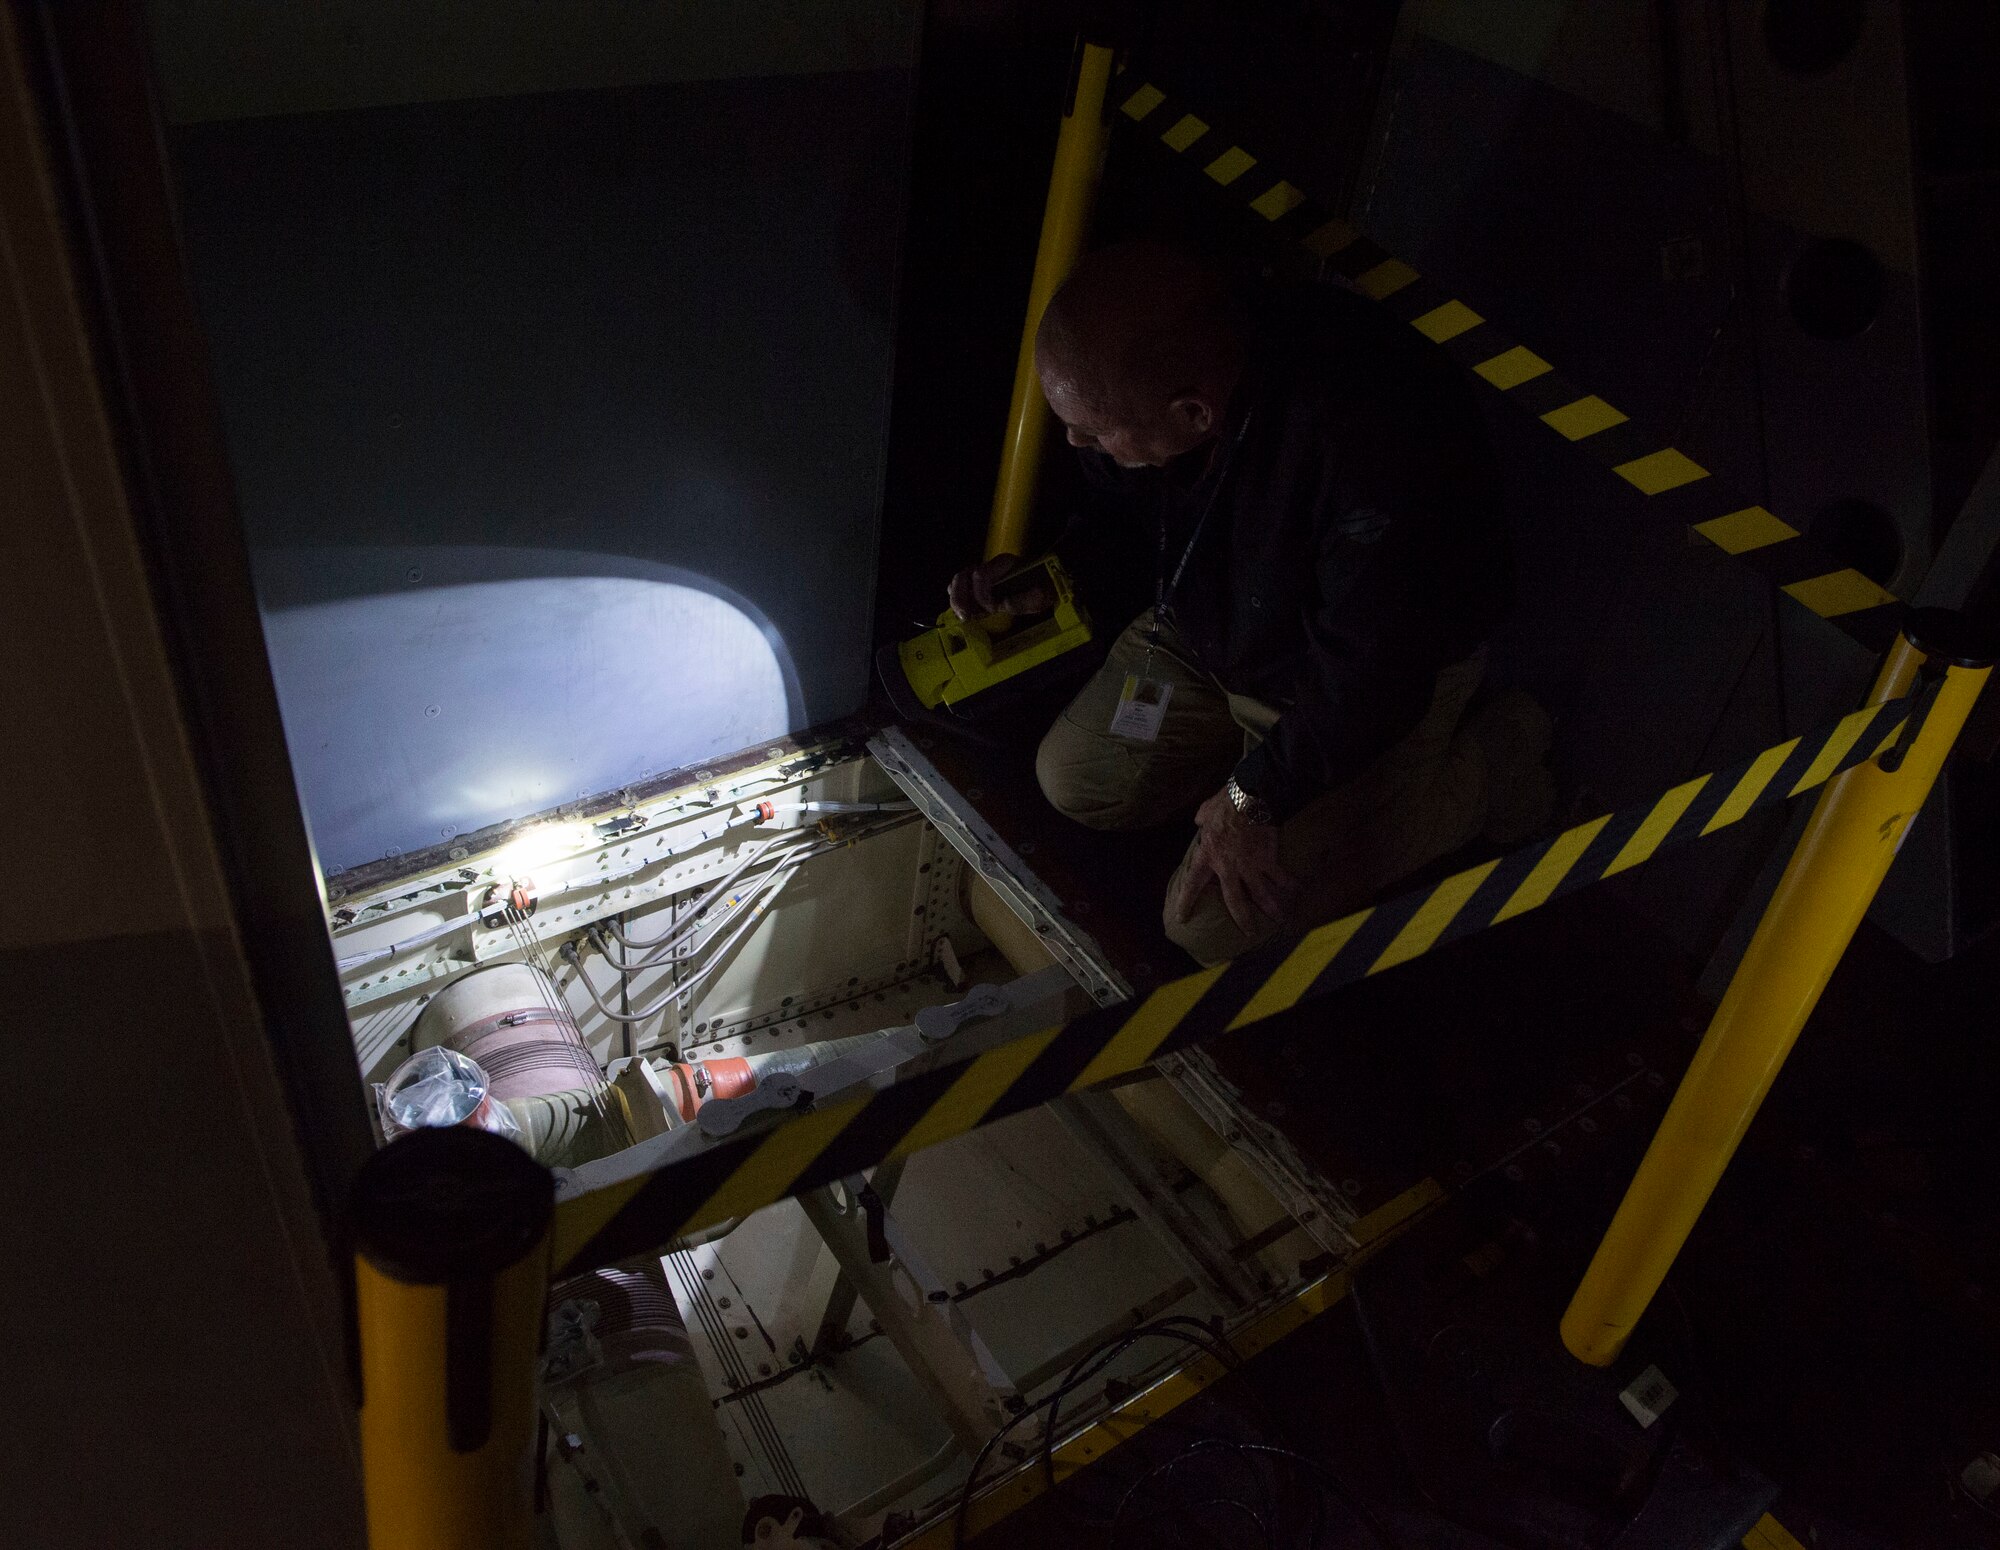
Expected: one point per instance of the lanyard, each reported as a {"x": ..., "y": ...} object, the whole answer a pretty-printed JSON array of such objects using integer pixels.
[{"x": 1164, "y": 586}]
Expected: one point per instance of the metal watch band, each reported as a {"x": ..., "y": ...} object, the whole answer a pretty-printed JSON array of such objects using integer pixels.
[{"x": 1254, "y": 809}]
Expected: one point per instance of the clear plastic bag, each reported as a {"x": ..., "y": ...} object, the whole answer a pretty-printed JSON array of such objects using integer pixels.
[{"x": 439, "y": 1086}]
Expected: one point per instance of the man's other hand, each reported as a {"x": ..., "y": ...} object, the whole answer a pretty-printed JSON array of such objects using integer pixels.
[
  {"x": 1240, "y": 858},
  {"x": 973, "y": 590}
]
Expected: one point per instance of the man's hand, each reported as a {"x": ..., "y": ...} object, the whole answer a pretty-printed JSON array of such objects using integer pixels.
[
  {"x": 973, "y": 590},
  {"x": 1241, "y": 858}
]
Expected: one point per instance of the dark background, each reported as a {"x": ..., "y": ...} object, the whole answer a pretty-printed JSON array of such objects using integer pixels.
[{"x": 537, "y": 339}]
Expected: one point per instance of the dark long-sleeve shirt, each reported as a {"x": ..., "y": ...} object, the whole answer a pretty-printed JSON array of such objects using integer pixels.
[{"x": 1355, "y": 544}]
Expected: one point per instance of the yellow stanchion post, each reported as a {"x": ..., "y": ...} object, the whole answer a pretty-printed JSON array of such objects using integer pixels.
[
  {"x": 1854, "y": 833},
  {"x": 451, "y": 1269},
  {"x": 1065, "y": 218}
]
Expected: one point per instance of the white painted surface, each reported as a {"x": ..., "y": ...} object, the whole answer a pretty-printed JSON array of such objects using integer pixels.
[{"x": 418, "y": 715}]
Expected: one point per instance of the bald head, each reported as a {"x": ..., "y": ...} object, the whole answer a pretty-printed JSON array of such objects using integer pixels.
[{"x": 1139, "y": 352}]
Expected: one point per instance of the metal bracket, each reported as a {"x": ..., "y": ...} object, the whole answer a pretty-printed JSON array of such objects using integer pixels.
[
  {"x": 1930, "y": 679},
  {"x": 929, "y": 1331},
  {"x": 1110, "y": 1139},
  {"x": 1003, "y": 1013},
  {"x": 1311, "y": 1201},
  {"x": 875, "y": 1212},
  {"x": 1019, "y": 888},
  {"x": 936, "y": 1023},
  {"x": 840, "y": 1301},
  {"x": 721, "y": 1117}
]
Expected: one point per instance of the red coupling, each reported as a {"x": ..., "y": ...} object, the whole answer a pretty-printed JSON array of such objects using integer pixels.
[
  {"x": 694, "y": 1084},
  {"x": 730, "y": 1078}
]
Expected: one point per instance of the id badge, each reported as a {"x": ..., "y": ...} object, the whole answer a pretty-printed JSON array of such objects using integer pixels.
[{"x": 1142, "y": 708}]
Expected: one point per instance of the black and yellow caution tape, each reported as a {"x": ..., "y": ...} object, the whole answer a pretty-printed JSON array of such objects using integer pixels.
[
  {"x": 849, "y": 1134},
  {"x": 1671, "y": 481},
  {"x": 1769, "y": 1534}
]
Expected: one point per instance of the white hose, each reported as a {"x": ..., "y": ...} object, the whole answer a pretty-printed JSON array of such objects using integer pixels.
[
  {"x": 376, "y": 954},
  {"x": 844, "y": 807},
  {"x": 681, "y": 938},
  {"x": 768, "y": 892},
  {"x": 599, "y": 879},
  {"x": 674, "y": 930},
  {"x": 659, "y": 948}
]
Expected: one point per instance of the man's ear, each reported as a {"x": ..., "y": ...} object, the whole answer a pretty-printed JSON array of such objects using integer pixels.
[{"x": 1194, "y": 412}]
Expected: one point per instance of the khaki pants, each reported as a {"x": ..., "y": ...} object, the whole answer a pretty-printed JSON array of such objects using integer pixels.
[{"x": 1421, "y": 799}]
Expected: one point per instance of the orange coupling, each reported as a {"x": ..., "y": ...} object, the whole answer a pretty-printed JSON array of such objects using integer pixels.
[{"x": 695, "y": 1082}]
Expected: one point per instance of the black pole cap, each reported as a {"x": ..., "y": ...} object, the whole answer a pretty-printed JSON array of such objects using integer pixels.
[
  {"x": 1949, "y": 636},
  {"x": 446, "y": 1204}
]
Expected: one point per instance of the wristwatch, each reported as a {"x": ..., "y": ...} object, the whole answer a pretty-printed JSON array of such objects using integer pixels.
[{"x": 1253, "y": 809}]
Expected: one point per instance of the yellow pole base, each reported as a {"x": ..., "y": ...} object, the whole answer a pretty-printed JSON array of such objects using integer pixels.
[
  {"x": 451, "y": 1269},
  {"x": 1855, "y": 830}
]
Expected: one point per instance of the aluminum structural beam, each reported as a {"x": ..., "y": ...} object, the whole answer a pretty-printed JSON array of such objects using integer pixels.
[{"x": 930, "y": 1332}]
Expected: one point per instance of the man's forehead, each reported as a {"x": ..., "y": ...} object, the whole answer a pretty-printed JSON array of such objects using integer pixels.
[{"x": 1067, "y": 402}]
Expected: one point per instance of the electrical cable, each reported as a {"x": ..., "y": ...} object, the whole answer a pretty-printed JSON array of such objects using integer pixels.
[
  {"x": 657, "y": 946},
  {"x": 1335, "y": 1486},
  {"x": 713, "y": 956},
  {"x": 375, "y": 954},
  {"x": 567, "y": 885},
  {"x": 676, "y": 939},
  {"x": 844, "y": 807},
  {"x": 1081, "y": 1372},
  {"x": 765, "y": 896},
  {"x": 716, "y": 948},
  {"x": 1268, "y": 1521},
  {"x": 694, "y": 1289},
  {"x": 620, "y": 963},
  {"x": 1263, "y": 1526},
  {"x": 1203, "y": 1337},
  {"x": 535, "y": 953},
  {"x": 1194, "y": 1333},
  {"x": 630, "y": 941}
]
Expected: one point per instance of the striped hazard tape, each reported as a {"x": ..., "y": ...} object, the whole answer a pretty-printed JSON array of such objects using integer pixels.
[
  {"x": 869, "y": 1126},
  {"x": 1666, "y": 476},
  {"x": 1769, "y": 1534}
]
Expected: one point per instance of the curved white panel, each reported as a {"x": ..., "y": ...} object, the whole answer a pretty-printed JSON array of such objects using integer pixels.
[{"x": 474, "y": 695}]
